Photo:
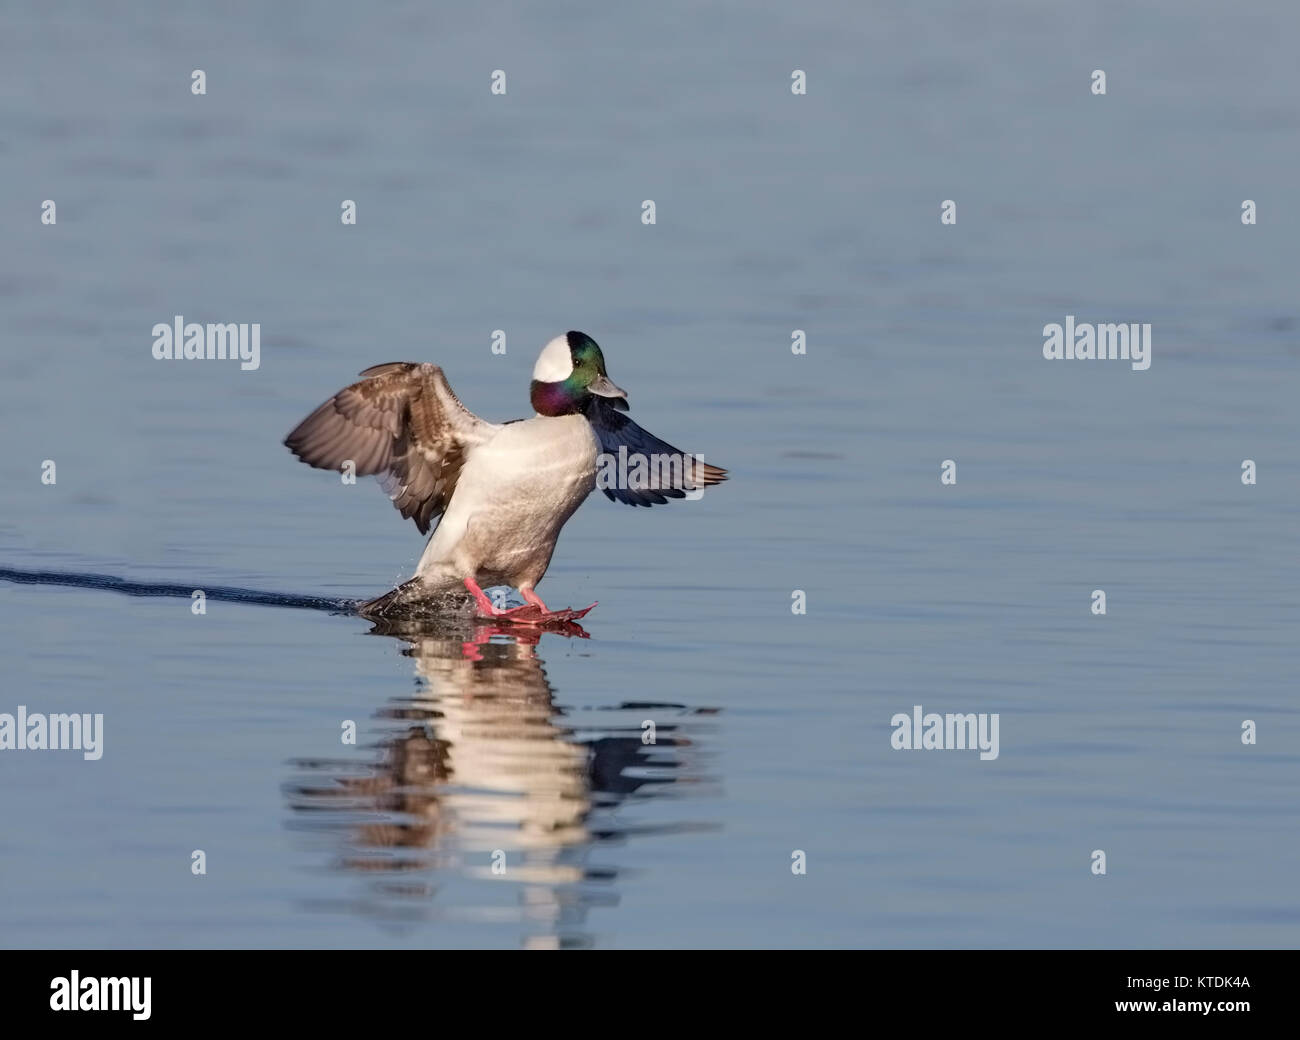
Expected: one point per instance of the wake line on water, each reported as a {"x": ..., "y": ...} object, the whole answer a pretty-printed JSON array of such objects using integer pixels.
[{"x": 224, "y": 593}]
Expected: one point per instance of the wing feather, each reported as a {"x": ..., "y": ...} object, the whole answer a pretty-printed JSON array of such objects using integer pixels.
[
  {"x": 614, "y": 430},
  {"x": 403, "y": 424}
]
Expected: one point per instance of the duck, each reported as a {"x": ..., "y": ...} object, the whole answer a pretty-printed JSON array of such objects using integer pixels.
[{"x": 499, "y": 493}]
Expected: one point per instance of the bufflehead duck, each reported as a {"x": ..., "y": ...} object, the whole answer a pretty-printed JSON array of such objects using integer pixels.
[{"x": 500, "y": 492}]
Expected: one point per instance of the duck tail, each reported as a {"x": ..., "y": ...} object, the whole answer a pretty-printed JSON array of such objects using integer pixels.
[{"x": 421, "y": 596}]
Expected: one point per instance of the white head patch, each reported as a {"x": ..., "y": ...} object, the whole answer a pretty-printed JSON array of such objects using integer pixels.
[{"x": 554, "y": 363}]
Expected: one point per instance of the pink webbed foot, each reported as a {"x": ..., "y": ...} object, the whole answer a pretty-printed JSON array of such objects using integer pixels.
[
  {"x": 547, "y": 613},
  {"x": 533, "y": 612}
]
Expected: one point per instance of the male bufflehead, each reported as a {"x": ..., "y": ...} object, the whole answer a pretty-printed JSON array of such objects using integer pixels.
[{"x": 503, "y": 491}]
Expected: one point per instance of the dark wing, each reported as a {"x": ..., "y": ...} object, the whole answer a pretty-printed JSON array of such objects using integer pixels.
[
  {"x": 401, "y": 423},
  {"x": 665, "y": 473}
]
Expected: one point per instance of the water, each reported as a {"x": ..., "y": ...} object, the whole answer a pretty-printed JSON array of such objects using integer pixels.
[{"x": 774, "y": 213}]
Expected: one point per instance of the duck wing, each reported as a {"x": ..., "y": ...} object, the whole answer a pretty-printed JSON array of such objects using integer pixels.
[
  {"x": 681, "y": 474},
  {"x": 403, "y": 424}
]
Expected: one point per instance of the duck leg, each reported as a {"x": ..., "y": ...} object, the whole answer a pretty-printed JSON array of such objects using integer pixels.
[
  {"x": 531, "y": 597},
  {"x": 534, "y": 612},
  {"x": 548, "y": 614}
]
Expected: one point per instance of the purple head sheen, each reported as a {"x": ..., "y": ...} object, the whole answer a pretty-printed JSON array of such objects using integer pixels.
[{"x": 555, "y": 398}]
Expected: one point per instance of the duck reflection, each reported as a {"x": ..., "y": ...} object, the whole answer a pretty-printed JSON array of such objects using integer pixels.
[{"x": 480, "y": 777}]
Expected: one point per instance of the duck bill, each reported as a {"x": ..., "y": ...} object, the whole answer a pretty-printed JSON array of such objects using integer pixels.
[{"x": 601, "y": 386}]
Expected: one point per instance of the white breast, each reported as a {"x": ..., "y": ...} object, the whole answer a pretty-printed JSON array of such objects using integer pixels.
[
  {"x": 540, "y": 453},
  {"x": 515, "y": 493}
]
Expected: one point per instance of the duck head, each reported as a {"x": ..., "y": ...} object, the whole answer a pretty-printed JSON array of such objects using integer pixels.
[{"x": 569, "y": 370}]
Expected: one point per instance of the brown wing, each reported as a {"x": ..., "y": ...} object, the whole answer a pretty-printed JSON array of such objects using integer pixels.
[{"x": 402, "y": 423}]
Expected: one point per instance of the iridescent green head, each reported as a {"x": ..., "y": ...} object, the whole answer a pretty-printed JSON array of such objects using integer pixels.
[{"x": 569, "y": 370}]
